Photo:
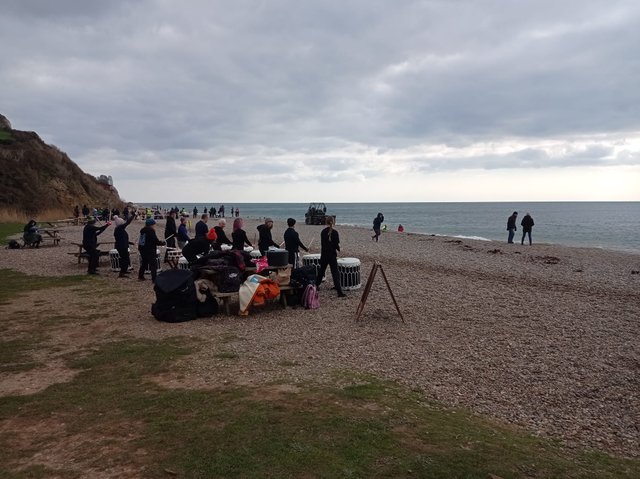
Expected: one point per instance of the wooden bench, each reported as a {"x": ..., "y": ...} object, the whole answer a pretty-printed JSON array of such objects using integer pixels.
[
  {"x": 225, "y": 298},
  {"x": 84, "y": 256}
]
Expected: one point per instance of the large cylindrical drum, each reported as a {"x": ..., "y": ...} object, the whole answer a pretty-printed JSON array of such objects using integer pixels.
[
  {"x": 277, "y": 257},
  {"x": 312, "y": 259},
  {"x": 349, "y": 271},
  {"x": 114, "y": 259},
  {"x": 173, "y": 256}
]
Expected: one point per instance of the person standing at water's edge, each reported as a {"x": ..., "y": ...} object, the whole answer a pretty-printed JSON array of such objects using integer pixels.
[
  {"x": 511, "y": 226},
  {"x": 377, "y": 222},
  {"x": 526, "y": 223},
  {"x": 329, "y": 247}
]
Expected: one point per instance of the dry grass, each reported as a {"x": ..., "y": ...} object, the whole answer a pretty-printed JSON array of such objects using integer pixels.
[{"x": 10, "y": 215}]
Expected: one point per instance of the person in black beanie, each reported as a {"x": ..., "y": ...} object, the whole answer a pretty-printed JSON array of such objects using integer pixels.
[
  {"x": 90, "y": 242},
  {"x": 147, "y": 246},
  {"x": 122, "y": 244}
]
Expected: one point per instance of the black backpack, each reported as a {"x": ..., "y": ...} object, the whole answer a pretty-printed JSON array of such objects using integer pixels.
[
  {"x": 13, "y": 244},
  {"x": 208, "y": 307},
  {"x": 176, "y": 299},
  {"x": 229, "y": 279},
  {"x": 301, "y": 277}
]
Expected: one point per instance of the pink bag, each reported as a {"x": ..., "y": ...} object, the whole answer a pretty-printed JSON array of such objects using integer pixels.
[
  {"x": 310, "y": 297},
  {"x": 261, "y": 264}
]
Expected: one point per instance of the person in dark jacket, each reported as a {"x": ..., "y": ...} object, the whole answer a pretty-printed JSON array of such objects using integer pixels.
[
  {"x": 170, "y": 230},
  {"x": 201, "y": 226},
  {"x": 511, "y": 226},
  {"x": 31, "y": 235},
  {"x": 198, "y": 246},
  {"x": 122, "y": 244},
  {"x": 221, "y": 235},
  {"x": 265, "y": 240},
  {"x": 183, "y": 234},
  {"x": 329, "y": 247},
  {"x": 526, "y": 223},
  {"x": 90, "y": 242},
  {"x": 147, "y": 246},
  {"x": 239, "y": 236},
  {"x": 292, "y": 242},
  {"x": 377, "y": 222}
]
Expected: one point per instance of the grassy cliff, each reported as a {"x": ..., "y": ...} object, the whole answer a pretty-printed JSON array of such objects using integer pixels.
[{"x": 40, "y": 180}]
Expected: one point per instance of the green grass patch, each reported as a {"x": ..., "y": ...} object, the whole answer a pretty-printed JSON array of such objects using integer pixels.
[
  {"x": 5, "y": 135},
  {"x": 13, "y": 283},
  {"x": 15, "y": 355},
  {"x": 9, "y": 229},
  {"x": 361, "y": 427}
]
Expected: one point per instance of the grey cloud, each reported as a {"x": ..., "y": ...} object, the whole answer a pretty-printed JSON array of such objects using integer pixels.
[{"x": 258, "y": 84}]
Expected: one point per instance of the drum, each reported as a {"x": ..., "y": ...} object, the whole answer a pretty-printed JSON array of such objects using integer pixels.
[
  {"x": 255, "y": 254},
  {"x": 312, "y": 259},
  {"x": 349, "y": 271},
  {"x": 278, "y": 257},
  {"x": 114, "y": 259},
  {"x": 173, "y": 256},
  {"x": 183, "y": 263},
  {"x": 158, "y": 263}
]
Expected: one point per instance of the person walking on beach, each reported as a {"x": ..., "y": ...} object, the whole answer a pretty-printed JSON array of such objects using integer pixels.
[
  {"x": 90, "y": 242},
  {"x": 377, "y": 222},
  {"x": 122, "y": 243},
  {"x": 526, "y": 223},
  {"x": 511, "y": 226},
  {"x": 329, "y": 247},
  {"x": 195, "y": 212},
  {"x": 292, "y": 242}
]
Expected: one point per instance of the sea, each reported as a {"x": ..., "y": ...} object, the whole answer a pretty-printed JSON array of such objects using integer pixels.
[{"x": 606, "y": 225}]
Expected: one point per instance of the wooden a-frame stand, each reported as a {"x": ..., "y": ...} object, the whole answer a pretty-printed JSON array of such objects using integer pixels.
[{"x": 365, "y": 294}]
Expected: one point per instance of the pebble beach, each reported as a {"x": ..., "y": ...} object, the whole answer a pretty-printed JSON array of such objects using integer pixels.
[{"x": 543, "y": 337}]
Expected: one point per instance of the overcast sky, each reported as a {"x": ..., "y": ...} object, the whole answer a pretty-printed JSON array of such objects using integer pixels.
[{"x": 296, "y": 101}]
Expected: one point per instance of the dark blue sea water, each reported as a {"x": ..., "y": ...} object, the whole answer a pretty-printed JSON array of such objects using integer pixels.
[{"x": 608, "y": 225}]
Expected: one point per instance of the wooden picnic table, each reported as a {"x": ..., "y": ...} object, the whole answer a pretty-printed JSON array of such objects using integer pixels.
[
  {"x": 52, "y": 234},
  {"x": 81, "y": 256}
]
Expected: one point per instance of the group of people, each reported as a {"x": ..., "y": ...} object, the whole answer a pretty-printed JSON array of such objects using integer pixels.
[
  {"x": 526, "y": 223},
  {"x": 205, "y": 239},
  {"x": 219, "y": 213}
]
